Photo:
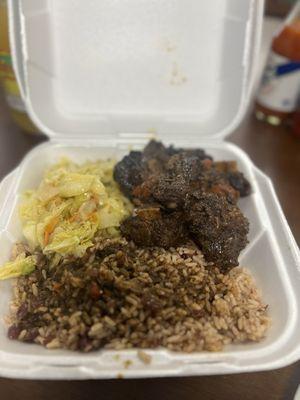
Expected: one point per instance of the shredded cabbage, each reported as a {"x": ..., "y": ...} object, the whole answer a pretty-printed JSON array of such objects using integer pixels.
[
  {"x": 20, "y": 266},
  {"x": 73, "y": 203}
]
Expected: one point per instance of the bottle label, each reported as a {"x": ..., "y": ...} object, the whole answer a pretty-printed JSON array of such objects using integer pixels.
[
  {"x": 5, "y": 58},
  {"x": 280, "y": 84},
  {"x": 5, "y": 64}
]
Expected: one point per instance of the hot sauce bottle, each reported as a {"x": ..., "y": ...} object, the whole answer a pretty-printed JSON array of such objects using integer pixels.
[{"x": 278, "y": 93}]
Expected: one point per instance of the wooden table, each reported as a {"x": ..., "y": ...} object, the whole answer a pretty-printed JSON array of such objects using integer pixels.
[{"x": 277, "y": 153}]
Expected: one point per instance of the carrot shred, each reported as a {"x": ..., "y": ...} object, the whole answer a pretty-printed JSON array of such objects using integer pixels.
[
  {"x": 73, "y": 217},
  {"x": 49, "y": 229}
]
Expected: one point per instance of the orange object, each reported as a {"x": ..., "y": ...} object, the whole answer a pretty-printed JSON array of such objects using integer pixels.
[
  {"x": 278, "y": 93},
  {"x": 49, "y": 229},
  {"x": 287, "y": 43}
]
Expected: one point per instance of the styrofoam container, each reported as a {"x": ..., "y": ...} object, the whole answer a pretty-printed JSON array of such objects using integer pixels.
[{"x": 102, "y": 76}]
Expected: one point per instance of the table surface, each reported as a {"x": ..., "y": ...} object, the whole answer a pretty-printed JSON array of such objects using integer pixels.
[{"x": 276, "y": 152}]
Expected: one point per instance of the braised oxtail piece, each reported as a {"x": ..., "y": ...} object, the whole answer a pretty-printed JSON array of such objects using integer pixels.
[{"x": 183, "y": 194}]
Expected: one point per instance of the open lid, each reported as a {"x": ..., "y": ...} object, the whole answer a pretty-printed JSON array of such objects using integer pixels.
[{"x": 135, "y": 66}]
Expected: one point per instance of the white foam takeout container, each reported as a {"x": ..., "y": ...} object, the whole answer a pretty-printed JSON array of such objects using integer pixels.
[{"x": 99, "y": 77}]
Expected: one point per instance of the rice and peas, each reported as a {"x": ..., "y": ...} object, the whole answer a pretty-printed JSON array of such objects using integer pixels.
[{"x": 81, "y": 286}]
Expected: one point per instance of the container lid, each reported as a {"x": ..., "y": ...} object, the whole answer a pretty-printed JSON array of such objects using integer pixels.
[{"x": 110, "y": 67}]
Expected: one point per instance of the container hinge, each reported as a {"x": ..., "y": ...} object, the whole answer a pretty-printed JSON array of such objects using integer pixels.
[{"x": 109, "y": 139}]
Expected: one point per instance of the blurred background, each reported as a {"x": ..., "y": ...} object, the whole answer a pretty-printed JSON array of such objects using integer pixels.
[{"x": 278, "y": 8}]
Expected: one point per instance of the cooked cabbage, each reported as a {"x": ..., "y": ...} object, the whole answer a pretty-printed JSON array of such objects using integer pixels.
[
  {"x": 73, "y": 203},
  {"x": 20, "y": 266}
]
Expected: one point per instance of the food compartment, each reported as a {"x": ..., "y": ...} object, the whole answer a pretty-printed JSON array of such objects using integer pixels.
[{"x": 261, "y": 257}]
